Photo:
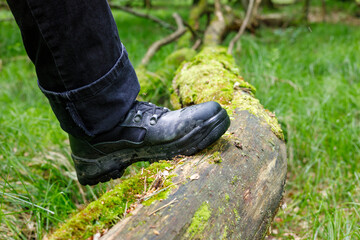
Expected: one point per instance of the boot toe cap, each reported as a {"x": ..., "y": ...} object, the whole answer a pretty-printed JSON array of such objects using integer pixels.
[{"x": 205, "y": 111}]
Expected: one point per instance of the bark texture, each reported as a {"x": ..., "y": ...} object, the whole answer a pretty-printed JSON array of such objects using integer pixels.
[
  {"x": 241, "y": 194},
  {"x": 231, "y": 190},
  {"x": 219, "y": 26}
]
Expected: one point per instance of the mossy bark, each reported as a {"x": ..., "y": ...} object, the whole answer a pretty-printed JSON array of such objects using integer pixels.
[
  {"x": 102, "y": 213},
  {"x": 241, "y": 193},
  {"x": 233, "y": 189},
  {"x": 162, "y": 77}
]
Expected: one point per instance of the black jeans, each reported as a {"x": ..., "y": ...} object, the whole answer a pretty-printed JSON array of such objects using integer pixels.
[{"x": 82, "y": 67}]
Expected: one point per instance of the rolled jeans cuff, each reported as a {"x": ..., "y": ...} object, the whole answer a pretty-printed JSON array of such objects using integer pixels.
[{"x": 98, "y": 107}]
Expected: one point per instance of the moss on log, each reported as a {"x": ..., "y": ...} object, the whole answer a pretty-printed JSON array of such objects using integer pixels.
[
  {"x": 104, "y": 212},
  {"x": 219, "y": 27},
  {"x": 162, "y": 77},
  {"x": 231, "y": 190},
  {"x": 235, "y": 198},
  {"x": 212, "y": 75}
]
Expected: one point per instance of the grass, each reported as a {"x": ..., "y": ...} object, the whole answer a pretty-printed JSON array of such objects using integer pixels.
[{"x": 309, "y": 78}]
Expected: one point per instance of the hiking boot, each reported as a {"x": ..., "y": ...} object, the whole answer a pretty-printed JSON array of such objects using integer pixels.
[{"x": 148, "y": 133}]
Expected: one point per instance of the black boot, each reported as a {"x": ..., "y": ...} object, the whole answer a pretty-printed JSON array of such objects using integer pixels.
[{"x": 148, "y": 133}]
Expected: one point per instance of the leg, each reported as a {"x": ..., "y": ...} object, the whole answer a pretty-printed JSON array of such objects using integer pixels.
[
  {"x": 84, "y": 71},
  {"x": 81, "y": 65}
]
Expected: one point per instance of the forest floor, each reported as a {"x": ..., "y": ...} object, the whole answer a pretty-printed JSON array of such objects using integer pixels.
[{"x": 307, "y": 75}]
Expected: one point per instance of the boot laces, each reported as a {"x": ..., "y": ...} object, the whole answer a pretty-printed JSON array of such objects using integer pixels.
[{"x": 156, "y": 111}]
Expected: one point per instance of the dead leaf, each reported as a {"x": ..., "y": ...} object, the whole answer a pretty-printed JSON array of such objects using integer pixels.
[
  {"x": 195, "y": 176},
  {"x": 165, "y": 173},
  {"x": 97, "y": 236},
  {"x": 238, "y": 144}
]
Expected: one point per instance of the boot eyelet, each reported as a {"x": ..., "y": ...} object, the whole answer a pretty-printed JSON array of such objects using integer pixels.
[
  {"x": 153, "y": 119},
  {"x": 138, "y": 116}
]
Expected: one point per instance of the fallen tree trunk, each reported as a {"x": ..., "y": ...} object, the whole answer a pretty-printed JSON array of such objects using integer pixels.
[
  {"x": 231, "y": 190},
  {"x": 219, "y": 26}
]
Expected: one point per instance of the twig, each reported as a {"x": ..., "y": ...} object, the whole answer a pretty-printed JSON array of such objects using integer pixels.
[
  {"x": 242, "y": 28},
  {"x": 125, "y": 209},
  {"x": 197, "y": 44},
  {"x": 170, "y": 38},
  {"x": 144, "y": 15},
  {"x": 157, "y": 192},
  {"x": 153, "y": 182},
  {"x": 218, "y": 11},
  {"x": 82, "y": 193},
  {"x": 201, "y": 159},
  {"x": 171, "y": 202},
  {"x": 145, "y": 185},
  {"x": 195, "y": 35}
]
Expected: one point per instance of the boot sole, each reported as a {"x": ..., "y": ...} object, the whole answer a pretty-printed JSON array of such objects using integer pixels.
[{"x": 112, "y": 166}]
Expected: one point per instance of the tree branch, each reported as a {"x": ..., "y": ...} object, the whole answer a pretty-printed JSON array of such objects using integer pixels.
[
  {"x": 170, "y": 38},
  {"x": 220, "y": 26},
  {"x": 242, "y": 28},
  {"x": 197, "y": 44},
  {"x": 193, "y": 32},
  {"x": 218, "y": 11},
  {"x": 144, "y": 15}
]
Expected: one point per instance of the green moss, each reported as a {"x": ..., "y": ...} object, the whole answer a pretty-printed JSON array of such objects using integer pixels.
[
  {"x": 196, "y": 12},
  {"x": 177, "y": 57},
  {"x": 140, "y": 223},
  {"x": 199, "y": 221},
  {"x": 224, "y": 235},
  {"x": 244, "y": 101},
  {"x": 162, "y": 77},
  {"x": 162, "y": 195},
  {"x": 175, "y": 101},
  {"x": 216, "y": 157},
  {"x": 221, "y": 209},
  {"x": 234, "y": 180},
  {"x": 108, "y": 209},
  {"x": 149, "y": 79},
  {"x": 237, "y": 216},
  {"x": 210, "y": 75},
  {"x": 227, "y": 197},
  {"x": 213, "y": 75},
  {"x": 185, "y": 40}
]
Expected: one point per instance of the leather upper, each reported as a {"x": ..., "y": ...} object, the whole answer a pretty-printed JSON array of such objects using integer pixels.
[{"x": 169, "y": 126}]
